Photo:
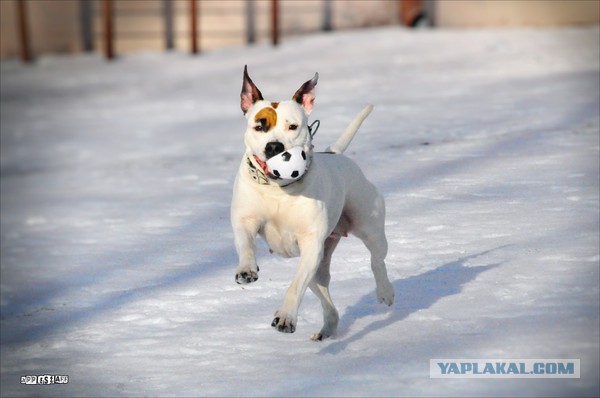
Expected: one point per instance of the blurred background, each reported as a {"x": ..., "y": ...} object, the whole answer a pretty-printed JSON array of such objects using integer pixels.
[{"x": 30, "y": 28}]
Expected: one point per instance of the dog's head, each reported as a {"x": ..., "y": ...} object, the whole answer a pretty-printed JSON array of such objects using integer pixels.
[{"x": 275, "y": 127}]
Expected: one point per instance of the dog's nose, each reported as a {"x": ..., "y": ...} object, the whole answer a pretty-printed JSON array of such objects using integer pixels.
[{"x": 273, "y": 148}]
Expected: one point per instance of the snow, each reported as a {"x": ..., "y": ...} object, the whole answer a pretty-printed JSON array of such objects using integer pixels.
[{"x": 117, "y": 258}]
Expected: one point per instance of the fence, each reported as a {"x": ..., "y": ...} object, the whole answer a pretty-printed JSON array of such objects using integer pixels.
[{"x": 101, "y": 21}]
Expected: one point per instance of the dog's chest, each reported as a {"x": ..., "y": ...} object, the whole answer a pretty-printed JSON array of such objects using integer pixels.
[{"x": 280, "y": 237}]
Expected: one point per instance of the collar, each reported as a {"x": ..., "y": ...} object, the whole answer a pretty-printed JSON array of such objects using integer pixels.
[{"x": 256, "y": 172}]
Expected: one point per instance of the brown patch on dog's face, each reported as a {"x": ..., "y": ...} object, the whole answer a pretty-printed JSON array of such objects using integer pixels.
[
  {"x": 274, "y": 105},
  {"x": 267, "y": 118}
]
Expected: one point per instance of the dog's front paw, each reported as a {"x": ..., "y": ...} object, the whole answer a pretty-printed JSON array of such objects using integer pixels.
[
  {"x": 283, "y": 323},
  {"x": 385, "y": 293},
  {"x": 246, "y": 276}
]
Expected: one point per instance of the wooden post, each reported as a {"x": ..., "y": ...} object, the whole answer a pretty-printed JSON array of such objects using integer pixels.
[
  {"x": 250, "y": 31},
  {"x": 275, "y": 21},
  {"x": 410, "y": 12},
  {"x": 87, "y": 21},
  {"x": 23, "y": 31},
  {"x": 169, "y": 25},
  {"x": 194, "y": 25},
  {"x": 107, "y": 14},
  {"x": 327, "y": 16}
]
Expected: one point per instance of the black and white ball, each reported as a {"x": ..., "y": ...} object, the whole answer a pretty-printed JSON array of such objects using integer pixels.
[{"x": 290, "y": 164}]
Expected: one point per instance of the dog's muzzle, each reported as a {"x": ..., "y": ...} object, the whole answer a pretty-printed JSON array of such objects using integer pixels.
[{"x": 273, "y": 149}]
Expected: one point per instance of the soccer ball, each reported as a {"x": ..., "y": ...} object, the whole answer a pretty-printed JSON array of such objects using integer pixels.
[{"x": 290, "y": 164}]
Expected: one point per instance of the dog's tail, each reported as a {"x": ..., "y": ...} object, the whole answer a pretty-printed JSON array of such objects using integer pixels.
[{"x": 342, "y": 143}]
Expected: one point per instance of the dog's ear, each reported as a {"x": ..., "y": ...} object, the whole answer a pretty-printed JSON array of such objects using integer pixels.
[
  {"x": 250, "y": 93},
  {"x": 305, "y": 95}
]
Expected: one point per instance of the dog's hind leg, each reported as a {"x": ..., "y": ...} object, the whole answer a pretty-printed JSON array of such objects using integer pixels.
[
  {"x": 369, "y": 227},
  {"x": 320, "y": 287}
]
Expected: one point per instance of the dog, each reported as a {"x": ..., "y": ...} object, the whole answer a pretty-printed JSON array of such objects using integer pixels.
[{"x": 305, "y": 217}]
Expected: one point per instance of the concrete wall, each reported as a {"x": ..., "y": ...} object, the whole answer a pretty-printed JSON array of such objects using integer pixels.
[
  {"x": 53, "y": 26},
  {"x": 487, "y": 13}
]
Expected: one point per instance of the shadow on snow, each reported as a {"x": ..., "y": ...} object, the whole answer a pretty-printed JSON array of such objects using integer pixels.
[{"x": 412, "y": 294}]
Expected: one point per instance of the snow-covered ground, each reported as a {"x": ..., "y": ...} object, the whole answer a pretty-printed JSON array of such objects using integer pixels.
[{"x": 117, "y": 264}]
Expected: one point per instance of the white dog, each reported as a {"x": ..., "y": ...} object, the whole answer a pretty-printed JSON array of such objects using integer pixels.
[{"x": 305, "y": 217}]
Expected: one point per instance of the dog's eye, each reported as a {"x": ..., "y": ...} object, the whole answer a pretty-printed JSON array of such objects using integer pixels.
[
  {"x": 258, "y": 128},
  {"x": 293, "y": 126}
]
